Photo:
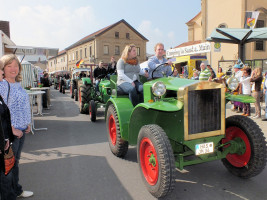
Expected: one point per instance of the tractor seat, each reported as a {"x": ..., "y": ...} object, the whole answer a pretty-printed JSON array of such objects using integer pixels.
[{"x": 118, "y": 92}]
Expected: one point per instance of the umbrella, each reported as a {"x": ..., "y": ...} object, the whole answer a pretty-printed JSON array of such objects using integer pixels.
[{"x": 238, "y": 36}]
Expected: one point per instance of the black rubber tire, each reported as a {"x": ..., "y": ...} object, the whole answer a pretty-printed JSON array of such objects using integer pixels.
[
  {"x": 75, "y": 95},
  {"x": 72, "y": 92},
  {"x": 120, "y": 146},
  {"x": 85, "y": 98},
  {"x": 92, "y": 110},
  {"x": 257, "y": 143},
  {"x": 166, "y": 165}
]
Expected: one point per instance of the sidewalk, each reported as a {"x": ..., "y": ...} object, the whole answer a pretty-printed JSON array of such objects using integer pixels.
[{"x": 262, "y": 124}]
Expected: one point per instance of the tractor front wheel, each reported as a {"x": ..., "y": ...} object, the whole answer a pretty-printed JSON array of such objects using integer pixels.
[
  {"x": 92, "y": 111},
  {"x": 156, "y": 160},
  {"x": 118, "y": 146},
  {"x": 253, "y": 160}
]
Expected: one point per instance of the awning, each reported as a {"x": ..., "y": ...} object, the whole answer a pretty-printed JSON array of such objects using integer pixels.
[
  {"x": 238, "y": 36},
  {"x": 29, "y": 50}
]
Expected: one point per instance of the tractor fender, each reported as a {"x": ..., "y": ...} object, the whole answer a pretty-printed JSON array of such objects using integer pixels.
[
  {"x": 171, "y": 120},
  {"x": 86, "y": 80},
  {"x": 124, "y": 109}
]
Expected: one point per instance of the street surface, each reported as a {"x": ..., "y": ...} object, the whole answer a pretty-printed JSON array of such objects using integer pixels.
[{"x": 72, "y": 161}]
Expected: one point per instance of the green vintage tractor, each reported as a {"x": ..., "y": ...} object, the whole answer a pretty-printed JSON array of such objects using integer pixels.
[
  {"x": 98, "y": 99},
  {"x": 83, "y": 89},
  {"x": 183, "y": 122}
]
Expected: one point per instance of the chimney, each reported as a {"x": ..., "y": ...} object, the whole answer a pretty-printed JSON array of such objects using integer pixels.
[{"x": 4, "y": 26}]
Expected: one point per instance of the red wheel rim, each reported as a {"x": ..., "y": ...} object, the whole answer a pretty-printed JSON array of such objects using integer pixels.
[
  {"x": 149, "y": 161},
  {"x": 112, "y": 130},
  {"x": 235, "y": 159},
  {"x": 90, "y": 110}
]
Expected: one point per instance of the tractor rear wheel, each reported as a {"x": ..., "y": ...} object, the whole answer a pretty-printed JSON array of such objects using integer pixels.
[
  {"x": 75, "y": 94},
  {"x": 118, "y": 146},
  {"x": 253, "y": 161},
  {"x": 156, "y": 160},
  {"x": 92, "y": 111},
  {"x": 84, "y": 97}
]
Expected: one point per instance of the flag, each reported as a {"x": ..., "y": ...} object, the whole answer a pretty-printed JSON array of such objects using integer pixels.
[
  {"x": 251, "y": 19},
  {"x": 79, "y": 63}
]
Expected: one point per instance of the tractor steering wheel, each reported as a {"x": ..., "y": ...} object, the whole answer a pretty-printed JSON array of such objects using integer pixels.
[{"x": 156, "y": 69}]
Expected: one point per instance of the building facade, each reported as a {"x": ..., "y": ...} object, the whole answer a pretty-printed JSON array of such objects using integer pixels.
[
  {"x": 58, "y": 63},
  {"x": 228, "y": 14},
  {"x": 107, "y": 42}
]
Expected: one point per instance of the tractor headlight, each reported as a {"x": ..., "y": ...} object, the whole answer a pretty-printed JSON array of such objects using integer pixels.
[
  {"x": 159, "y": 89},
  {"x": 232, "y": 83}
]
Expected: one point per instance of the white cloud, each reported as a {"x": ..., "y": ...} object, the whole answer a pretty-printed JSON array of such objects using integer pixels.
[
  {"x": 155, "y": 35},
  {"x": 50, "y": 27}
]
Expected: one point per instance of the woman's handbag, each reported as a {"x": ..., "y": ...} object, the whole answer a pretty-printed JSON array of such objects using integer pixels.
[{"x": 9, "y": 160}]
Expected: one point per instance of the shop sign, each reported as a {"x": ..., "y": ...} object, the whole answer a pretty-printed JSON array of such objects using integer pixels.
[
  {"x": 189, "y": 50},
  {"x": 217, "y": 47}
]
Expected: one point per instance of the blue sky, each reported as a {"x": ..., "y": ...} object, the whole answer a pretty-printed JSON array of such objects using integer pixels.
[{"x": 60, "y": 23}]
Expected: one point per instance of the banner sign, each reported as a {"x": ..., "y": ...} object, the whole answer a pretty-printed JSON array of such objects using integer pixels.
[
  {"x": 251, "y": 19},
  {"x": 189, "y": 50}
]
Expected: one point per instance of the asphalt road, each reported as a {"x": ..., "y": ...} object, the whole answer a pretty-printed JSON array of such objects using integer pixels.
[{"x": 72, "y": 160}]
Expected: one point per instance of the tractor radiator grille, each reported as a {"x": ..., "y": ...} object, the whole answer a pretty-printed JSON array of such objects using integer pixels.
[{"x": 204, "y": 110}]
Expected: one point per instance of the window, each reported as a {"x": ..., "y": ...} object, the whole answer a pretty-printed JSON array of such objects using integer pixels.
[
  {"x": 138, "y": 51},
  {"x": 117, "y": 50},
  {"x": 73, "y": 56},
  {"x": 223, "y": 25},
  {"x": 259, "y": 45},
  {"x": 77, "y": 55},
  {"x": 85, "y": 52},
  {"x": 106, "y": 50},
  {"x": 90, "y": 51},
  {"x": 127, "y": 35},
  {"x": 69, "y": 57},
  {"x": 117, "y": 35},
  {"x": 81, "y": 53}
]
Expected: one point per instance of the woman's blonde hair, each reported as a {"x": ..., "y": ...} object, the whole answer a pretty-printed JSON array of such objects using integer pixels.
[
  {"x": 258, "y": 71},
  {"x": 8, "y": 59},
  {"x": 1, "y": 65},
  {"x": 125, "y": 53}
]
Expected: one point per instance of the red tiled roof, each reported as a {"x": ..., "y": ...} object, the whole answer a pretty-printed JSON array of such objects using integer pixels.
[{"x": 189, "y": 43}]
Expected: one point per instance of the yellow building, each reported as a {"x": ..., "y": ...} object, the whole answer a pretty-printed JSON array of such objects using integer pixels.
[
  {"x": 228, "y": 14},
  {"x": 58, "y": 62},
  {"x": 107, "y": 42}
]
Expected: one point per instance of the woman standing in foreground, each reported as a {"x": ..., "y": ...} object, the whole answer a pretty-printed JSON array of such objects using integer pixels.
[
  {"x": 7, "y": 191},
  {"x": 19, "y": 106},
  {"x": 128, "y": 70}
]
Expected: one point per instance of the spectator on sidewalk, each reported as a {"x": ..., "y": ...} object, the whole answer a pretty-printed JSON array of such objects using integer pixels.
[
  {"x": 205, "y": 72},
  {"x": 19, "y": 106},
  {"x": 256, "y": 77},
  {"x": 246, "y": 88},
  {"x": 7, "y": 190},
  {"x": 238, "y": 106}
]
